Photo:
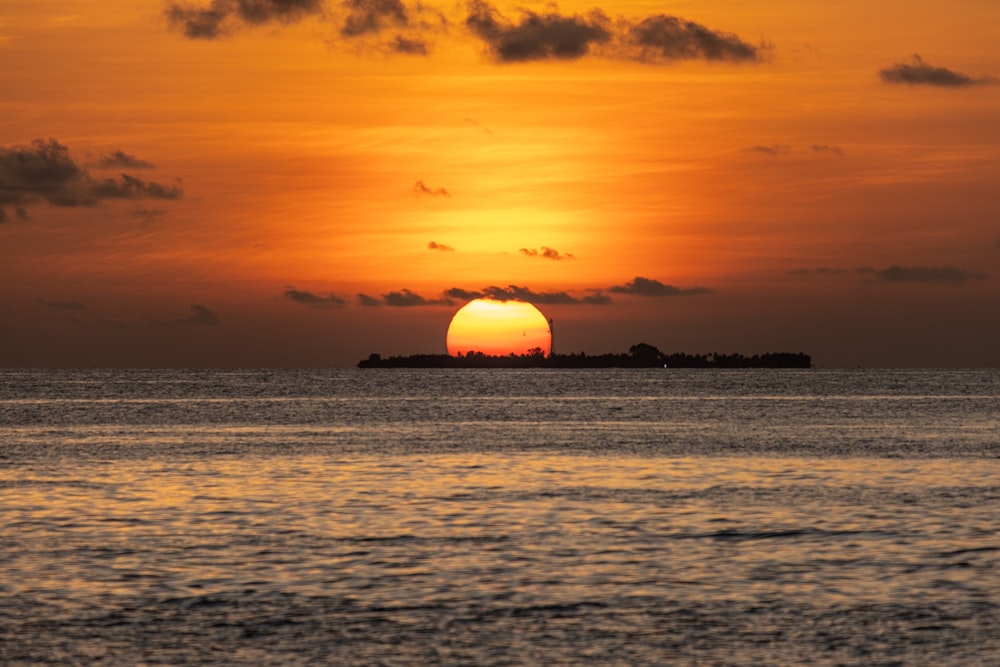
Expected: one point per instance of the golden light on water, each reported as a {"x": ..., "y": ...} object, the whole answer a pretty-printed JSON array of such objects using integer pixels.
[{"x": 498, "y": 328}]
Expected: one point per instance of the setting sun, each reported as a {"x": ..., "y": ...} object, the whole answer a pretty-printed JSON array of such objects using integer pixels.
[{"x": 498, "y": 328}]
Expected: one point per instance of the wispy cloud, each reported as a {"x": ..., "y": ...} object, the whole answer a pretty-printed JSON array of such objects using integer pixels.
[
  {"x": 200, "y": 316},
  {"x": 917, "y": 72},
  {"x": 433, "y": 245},
  {"x": 148, "y": 214},
  {"x": 312, "y": 300},
  {"x": 825, "y": 148},
  {"x": 928, "y": 274},
  {"x": 545, "y": 253},
  {"x": 772, "y": 151},
  {"x": 120, "y": 160},
  {"x": 45, "y": 172},
  {"x": 820, "y": 271},
  {"x": 422, "y": 189},
  {"x": 648, "y": 287}
]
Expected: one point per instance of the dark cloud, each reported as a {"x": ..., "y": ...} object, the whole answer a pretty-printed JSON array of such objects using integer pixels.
[
  {"x": 537, "y": 36},
  {"x": 917, "y": 72},
  {"x": 421, "y": 189},
  {"x": 45, "y": 171},
  {"x": 928, "y": 274},
  {"x": 369, "y": 301},
  {"x": 64, "y": 305},
  {"x": 640, "y": 286},
  {"x": 598, "y": 298},
  {"x": 200, "y": 316},
  {"x": 824, "y": 148},
  {"x": 409, "y": 46},
  {"x": 372, "y": 16},
  {"x": 439, "y": 246},
  {"x": 545, "y": 253},
  {"x": 773, "y": 150},
  {"x": 461, "y": 294},
  {"x": 130, "y": 187},
  {"x": 406, "y": 299},
  {"x": 120, "y": 160},
  {"x": 314, "y": 300},
  {"x": 668, "y": 38},
  {"x": 221, "y": 17},
  {"x": 532, "y": 35},
  {"x": 519, "y": 293}
]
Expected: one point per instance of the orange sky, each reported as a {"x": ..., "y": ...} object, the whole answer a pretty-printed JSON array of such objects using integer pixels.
[{"x": 308, "y": 182}]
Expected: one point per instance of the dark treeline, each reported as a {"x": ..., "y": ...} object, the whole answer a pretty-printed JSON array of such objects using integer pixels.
[{"x": 641, "y": 355}]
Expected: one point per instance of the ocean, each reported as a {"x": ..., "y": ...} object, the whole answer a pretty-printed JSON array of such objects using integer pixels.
[{"x": 500, "y": 517}]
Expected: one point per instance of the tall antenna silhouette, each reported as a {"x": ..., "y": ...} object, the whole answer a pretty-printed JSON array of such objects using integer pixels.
[{"x": 552, "y": 337}]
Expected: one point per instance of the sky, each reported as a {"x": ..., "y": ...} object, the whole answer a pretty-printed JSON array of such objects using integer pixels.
[{"x": 301, "y": 183}]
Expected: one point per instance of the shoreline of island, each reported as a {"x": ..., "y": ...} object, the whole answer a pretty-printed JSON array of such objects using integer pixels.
[{"x": 641, "y": 355}]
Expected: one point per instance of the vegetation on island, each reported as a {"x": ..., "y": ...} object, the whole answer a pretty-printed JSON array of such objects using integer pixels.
[{"x": 641, "y": 355}]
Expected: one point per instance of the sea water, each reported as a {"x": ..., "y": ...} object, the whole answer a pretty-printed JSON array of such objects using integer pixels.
[{"x": 500, "y": 517}]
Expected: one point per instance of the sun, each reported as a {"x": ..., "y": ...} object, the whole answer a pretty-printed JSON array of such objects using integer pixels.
[{"x": 498, "y": 328}]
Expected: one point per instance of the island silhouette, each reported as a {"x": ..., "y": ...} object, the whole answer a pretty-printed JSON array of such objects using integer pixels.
[{"x": 640, "y": 355}]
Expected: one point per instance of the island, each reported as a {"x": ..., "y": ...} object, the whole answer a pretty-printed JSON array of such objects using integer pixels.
[{"x": 641, "y": 355}]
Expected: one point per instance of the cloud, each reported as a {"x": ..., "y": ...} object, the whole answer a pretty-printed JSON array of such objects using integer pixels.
[
  {"x": 314, "y": 300},
  {"x": 462, "y": 294},
  {"x": 773, "y": 150},
  {"x": 545, "y": 253},
  {"x": 532, "y": 36},
  {"x": 824, "y": 148},
  {"x": 200, "y": 316},
  {"x": 664, "y": 38},
  {"x": 19, "y": 213},
  {"x": 371, "y": 16},
  {"x": 45, "y": 171},
  {"x": 222, "y": 17},
  {"x": 439, "y": 246},
  {"x": 648, "y": 287},
  {"x": 421, "y": 189},
  {"x": 64, "y": 305},
  {"x": 408, "y": 46},
  {"x": 120, "y": 160},
  {"x": 148, "y": 214},
  {"x": 521, "y": 293},
  {"x": 927, "y": 274},
  {"x": 537, "y": 36},
  {"x": 406, "y": 299},
  {"x": 822, "y": 270},
  {"x": 476, "y": 124},
  {"x": 917, "y": 72},
  {"x": 654, "y": 39},
  {"x": 598, "y": 298}
]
